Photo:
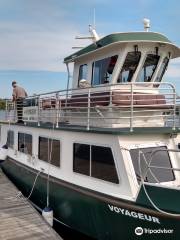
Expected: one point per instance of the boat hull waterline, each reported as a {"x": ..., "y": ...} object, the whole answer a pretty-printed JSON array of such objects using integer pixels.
[{"x": 92, "y": 213}]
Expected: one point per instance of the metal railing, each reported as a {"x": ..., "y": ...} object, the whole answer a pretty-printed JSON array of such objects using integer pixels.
[{"x": 112, "y": 106}]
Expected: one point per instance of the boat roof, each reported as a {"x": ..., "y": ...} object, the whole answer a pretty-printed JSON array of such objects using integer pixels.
[{"x": 127, "y": 37}]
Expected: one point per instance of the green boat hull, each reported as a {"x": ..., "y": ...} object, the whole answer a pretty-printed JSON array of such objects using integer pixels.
[{"x": 94, "y": 214}]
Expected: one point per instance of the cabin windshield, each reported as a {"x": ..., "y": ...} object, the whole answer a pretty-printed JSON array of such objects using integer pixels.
[
  {"x": 102, "y": 70},
  {"x": 83, "y": 71},
  {"x": 149, "y": 68},
  {"x": 153, "y": 162},
  {"x": 162, "y": 69},
  {"x": 129, "y": 67}
]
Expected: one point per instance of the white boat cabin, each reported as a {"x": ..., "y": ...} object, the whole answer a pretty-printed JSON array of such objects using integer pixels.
[
  {"x": 106, "y": 163},
  {"x": 117, "y": 83},
  {"x": 138, "y": 57}
]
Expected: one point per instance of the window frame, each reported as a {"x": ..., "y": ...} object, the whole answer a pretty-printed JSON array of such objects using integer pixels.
[
  {"x": 85, "y": 64},
  {"x": 99, "y": 59},
  {"x": 11, "y": 146},
  {"x": 124, "y": 60},
  {"x": 152, "y": 145},
  {"x": 73, "y": 144},
  {"x": 27, "y": 133},
  {"x": 89, "y": 176},
  {"x": 144, "y": 57},
  {"x": 160, "y": 77},
  {"x": 60, "y": 142}
]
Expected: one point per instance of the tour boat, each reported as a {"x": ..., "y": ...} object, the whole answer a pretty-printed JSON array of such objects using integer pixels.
[{"x": 104, "y": 153}]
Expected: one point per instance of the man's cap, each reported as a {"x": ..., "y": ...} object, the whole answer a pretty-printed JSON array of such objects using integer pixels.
[{"x": 14, "y": 82}]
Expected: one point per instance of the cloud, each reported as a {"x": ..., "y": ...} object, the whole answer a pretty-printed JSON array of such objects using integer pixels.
[
  {"x": 24, "y": 47},
  {"x": 173, "y": 69},
  {"x": 38, "y": 35}
]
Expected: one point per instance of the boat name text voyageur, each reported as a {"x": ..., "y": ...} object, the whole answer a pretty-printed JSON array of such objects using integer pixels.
[{"x": 133, "y": 214}]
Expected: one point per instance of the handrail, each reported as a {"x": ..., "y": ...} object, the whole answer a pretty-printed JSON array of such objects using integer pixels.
[
  {"x": 141, "y": 103},
  {"x": 104, "y": 86}
]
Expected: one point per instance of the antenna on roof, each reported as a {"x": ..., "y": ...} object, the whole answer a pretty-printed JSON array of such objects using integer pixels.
[
  {"x": 146, "y": 24},
  {"x": 92, "y": 30},
  {"x": 94, "y": 36},
  {"x": 93, "y": 33},
  {"x": 94, "y": 19}
]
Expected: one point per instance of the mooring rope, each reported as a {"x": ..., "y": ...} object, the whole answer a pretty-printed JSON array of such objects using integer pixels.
[
  {"x": 34, "y": 184},
  {"x": 19, "y": 193}
]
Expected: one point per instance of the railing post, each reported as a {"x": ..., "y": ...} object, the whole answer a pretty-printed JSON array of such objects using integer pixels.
[
  {"x": 131, "y": 116},
  {"x": 179, "y": 117},
  {"x": 38, "y": 111},
  {"x": 6, "y": 118},
  {"x": 57, "y": 110},
  {"x": 89, "y": 107},
  {"x": 15, "y": 111},
  {"x": 174, "y": 109},
  {"x": 68, "y": 80},
  {"x": 111, "y": 97}
]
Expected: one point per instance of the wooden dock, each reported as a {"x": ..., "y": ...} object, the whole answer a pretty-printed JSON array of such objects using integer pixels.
[{"x": 18, "y": 219}]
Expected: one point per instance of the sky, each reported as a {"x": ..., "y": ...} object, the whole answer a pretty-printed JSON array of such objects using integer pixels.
[{"x": 36, "y": 35}]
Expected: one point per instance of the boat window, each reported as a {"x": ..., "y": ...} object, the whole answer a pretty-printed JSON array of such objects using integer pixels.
[
  {"x": 25, "y": 143},
  {"x": 10, "y": 139},
  {"x": 103, "y": 166},
  {"x": 81, "y": 162},
  {"x": 95, "y": 161},
  {"x": 162, "y": 69},
  {"x": 83, "y": 69},
  {"x": 154, "y": 156},
  {"x": 129, "y": 66},
  {"x": 49, "y": 150},
  {"x": 103, "y": 69},
  {"x": 149, "y": 68}
]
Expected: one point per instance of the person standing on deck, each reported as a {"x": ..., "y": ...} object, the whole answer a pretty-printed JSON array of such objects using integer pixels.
[{"x": 18, "y": 96}]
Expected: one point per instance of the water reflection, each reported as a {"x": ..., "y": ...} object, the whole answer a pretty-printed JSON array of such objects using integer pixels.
[{"x": 69, "y": 234}]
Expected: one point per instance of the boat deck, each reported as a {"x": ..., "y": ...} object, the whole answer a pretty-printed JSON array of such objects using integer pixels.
[
  {"x": 114, "y": 131},
  {"x": 19, "y": 220}
]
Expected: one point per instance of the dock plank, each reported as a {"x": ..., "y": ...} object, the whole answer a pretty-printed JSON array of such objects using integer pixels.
[{"x": 18, "y": 219}]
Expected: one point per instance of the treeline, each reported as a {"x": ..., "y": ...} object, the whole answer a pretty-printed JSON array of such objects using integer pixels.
[{"x": 2, "y": 104}]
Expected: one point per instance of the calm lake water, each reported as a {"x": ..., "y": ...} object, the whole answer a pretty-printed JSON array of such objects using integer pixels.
[
  {"x": 69, "y": 234},
  {"x": 2, "y": 115}
]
